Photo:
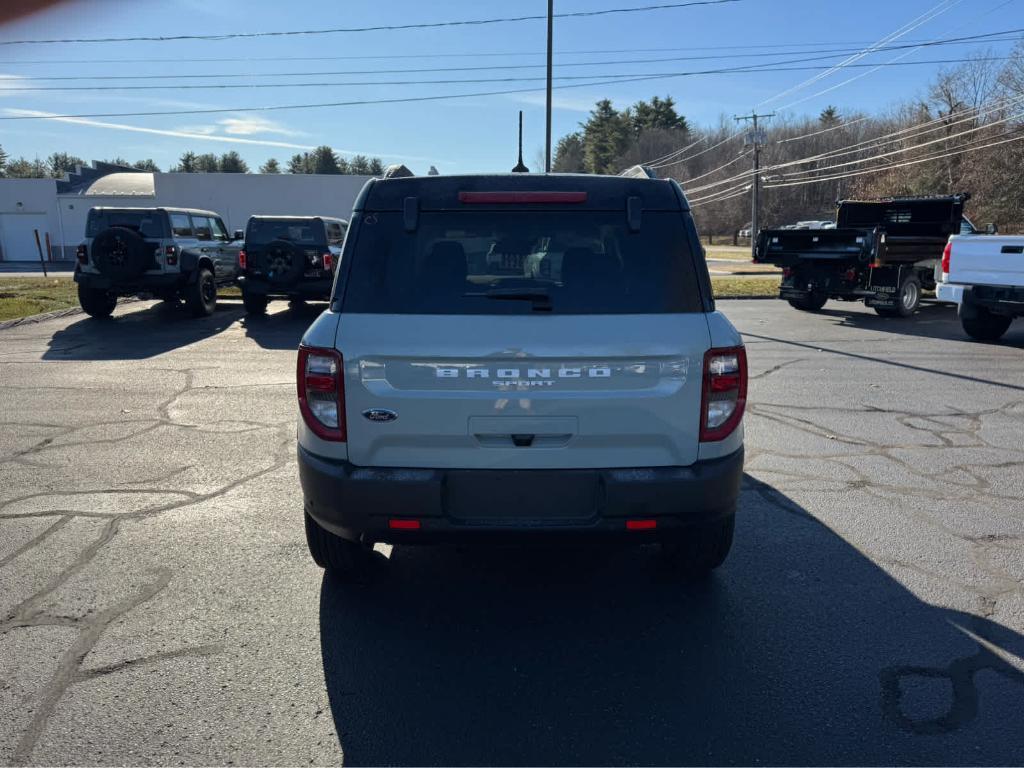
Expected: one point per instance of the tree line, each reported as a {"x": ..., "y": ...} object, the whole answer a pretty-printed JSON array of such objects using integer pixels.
[
  {"x": 960, "y": 135},
  {"x": 322, "y": 160}
]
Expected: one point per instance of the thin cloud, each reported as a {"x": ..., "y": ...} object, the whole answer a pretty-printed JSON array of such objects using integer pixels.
[{"x": 180, "y": 134}]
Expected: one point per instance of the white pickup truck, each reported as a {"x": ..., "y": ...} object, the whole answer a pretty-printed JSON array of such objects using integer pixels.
[{"x": 984, "y": 277}]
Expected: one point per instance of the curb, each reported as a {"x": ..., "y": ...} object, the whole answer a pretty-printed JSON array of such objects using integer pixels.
[{"x": 43, "y": 317}]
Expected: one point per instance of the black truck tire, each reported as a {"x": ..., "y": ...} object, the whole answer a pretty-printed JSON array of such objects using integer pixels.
[
  {"x": 341, "y": 558},
  {"x": 985, "y": 325},
  {"x": 908, "y": 299},
  {"x": 121, "y": 254},
  {"x": 282, "y": 262},
  {"x": 95, "y": 302},
  {"x": 254, "y": 303},
  {"x": 810, "y": 303},
  {"x": 701, "y": 550},
  {"x": 201, "y": 296}
]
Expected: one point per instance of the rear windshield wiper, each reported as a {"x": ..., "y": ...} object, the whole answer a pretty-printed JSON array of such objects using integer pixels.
[{"x": 541, "y": 300}]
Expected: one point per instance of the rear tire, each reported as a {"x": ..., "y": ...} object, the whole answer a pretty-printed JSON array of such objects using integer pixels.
[
  {"x": 907, "y": 301},
  {"x": 703, "y": 548},
  {"x": 96, "y": 303},
  {"x": 201, "y": 296},
  {"x": 254, "y": 303},
  {"x": 340, "y": 557},
  {"x": 986, "y": 326},
  {"x": 810, "y": 303}
]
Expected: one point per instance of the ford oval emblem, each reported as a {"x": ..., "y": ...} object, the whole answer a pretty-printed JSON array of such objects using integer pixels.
[{"x": 380, "y": 414}]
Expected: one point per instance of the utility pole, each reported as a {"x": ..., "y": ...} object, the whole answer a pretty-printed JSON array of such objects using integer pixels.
[
  {"x": 756, "y": 138},
  {"x": 547, "y": 141}
]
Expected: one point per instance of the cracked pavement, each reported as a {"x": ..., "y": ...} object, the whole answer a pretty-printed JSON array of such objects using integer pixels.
[{"x": 158, "y": 605}]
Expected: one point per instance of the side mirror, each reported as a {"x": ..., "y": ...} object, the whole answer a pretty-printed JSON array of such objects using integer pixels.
[
  {"x": 238, "y": 235},
  {"x": 991, "y": 229}
]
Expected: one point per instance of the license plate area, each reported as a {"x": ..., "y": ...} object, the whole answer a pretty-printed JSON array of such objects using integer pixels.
[{"x": 522, "y": 498}]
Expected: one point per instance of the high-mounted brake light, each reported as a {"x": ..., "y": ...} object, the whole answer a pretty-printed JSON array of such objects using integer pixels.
[
  {"x": 321, "y": 389},
  {"x": 522, "y": 197},
  {"x": 83, "y": 254},
  {"x": 724, "y": 395},
  {"x": 243, "y": 259},
  {"x": 400, "y": 524},
  {"x": 947, "y": 254},
  {"x": 641, "y": 525},
  {"x": 328, "y": 259}
]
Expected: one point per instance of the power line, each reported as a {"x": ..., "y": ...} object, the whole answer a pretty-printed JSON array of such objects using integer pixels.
[
  {"x": 1009, "y": 35},
  {"x": 618, "y": 77},
  {"x": 380, "y": 28}
]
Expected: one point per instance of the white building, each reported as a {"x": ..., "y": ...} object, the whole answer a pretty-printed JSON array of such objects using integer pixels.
[{"x": 57, "y": 208}]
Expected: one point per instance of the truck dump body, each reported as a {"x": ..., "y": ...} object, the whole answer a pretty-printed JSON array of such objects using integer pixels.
[{"x": 881, "y": 251}]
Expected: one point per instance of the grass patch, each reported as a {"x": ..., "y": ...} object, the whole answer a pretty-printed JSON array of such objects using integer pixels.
[
  {"x": 733, "y": 253},
  {"x": 24, "y": 296},
  {"x": 745, "y": 287}
]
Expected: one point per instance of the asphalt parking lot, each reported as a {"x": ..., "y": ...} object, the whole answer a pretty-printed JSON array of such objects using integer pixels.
[{"x": 159, "y": 607}]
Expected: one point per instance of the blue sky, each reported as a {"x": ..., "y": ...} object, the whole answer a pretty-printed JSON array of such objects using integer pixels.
[{"x": 470, "y": 134}]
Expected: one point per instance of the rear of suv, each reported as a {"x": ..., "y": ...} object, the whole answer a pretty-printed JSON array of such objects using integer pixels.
[
  {"x": 289, "y": 257},
  {"x": 171, "y": 253},
  {"x": 525, "y": 357}
]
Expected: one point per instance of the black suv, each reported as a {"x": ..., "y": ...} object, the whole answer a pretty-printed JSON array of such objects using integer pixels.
[
  {"x": 170, "y": 253},
  {"x": 289, "y": 257}
]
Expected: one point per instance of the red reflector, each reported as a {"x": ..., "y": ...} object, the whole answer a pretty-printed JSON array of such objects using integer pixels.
[
  {"x": 328, "y": 261},
  {"x": 243, "y": 258},
  {"x": 320, "y": 383},
  {"x": 641, "y": 525},
  {"x": 404, "y": 525},
  {"x": 522, "y": 197}
]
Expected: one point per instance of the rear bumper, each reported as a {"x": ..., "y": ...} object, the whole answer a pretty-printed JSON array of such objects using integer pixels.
[
  {"x": 318, "y": 288},
  {"x": 141, "y": 283},
  {"x": 998, "y": 299},
  {"x": 358, "y": 502},
  {"x": 949, "y": 293}
]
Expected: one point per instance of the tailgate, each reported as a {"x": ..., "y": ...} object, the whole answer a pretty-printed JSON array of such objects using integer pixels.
[
  {"x": 523, "y": 391},
  {"x": 987, "y": 260},
  {"x": 787, "y": 247}
]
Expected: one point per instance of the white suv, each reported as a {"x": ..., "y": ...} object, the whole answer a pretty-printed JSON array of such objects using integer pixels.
[{"x": 592, "y": 392}]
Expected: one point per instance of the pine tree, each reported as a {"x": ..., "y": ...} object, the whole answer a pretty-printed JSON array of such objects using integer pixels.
[
  {"x": 231, "y": 162},
  {"x": 324, "y": 160},
  {"x": 606, "y": 136},
  {"x": 60, "y": 163},
  {"x": 299, "y": 163},
  {"x": 146, "y": 165},
  {"x": 207, "y": 163},
  {"x": 569, "y": 155},
  {"x": 186, "y": 163},
  {"x": 271, "y": 166},
  {"x": 3, "y": 163}
]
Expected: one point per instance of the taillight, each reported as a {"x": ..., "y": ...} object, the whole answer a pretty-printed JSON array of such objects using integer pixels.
[
  {"x": 787, "y": 271},
  {"x": 724, "y": 394},
  {"x": 170, "y": 255},
  {"x": 946, "y": 254},
  {"x": 328, "y": 261},
  {"x": 850, "y": 275},
  {"x": 321, "y": 386},
  {"x": 242, "y": 259},
  {"x": 83, "y": 254}
]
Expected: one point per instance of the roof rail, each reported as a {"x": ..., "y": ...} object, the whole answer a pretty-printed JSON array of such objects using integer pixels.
[
  {"x": 639, "y": 172},
  {"x": 397, "y": 171}
]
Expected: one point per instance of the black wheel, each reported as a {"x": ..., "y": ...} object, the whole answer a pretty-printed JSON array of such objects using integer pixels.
[
  {"x": 121, "y": 254},
  {"x": 254, "y": 303},
  {"x": 986, "y": 326},
  {"x": 96, "y": 303},
  {"x": 701, "y": 549},
  {"x": 908, "y": 300},
  {"x": 810, "y": 303},
  {"x": 201, "y": 296},
  {"x": 340, "y": 557}
]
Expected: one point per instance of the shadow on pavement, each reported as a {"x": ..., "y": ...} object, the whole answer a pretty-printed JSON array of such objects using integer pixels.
[
  {"x": 282, "y": 328},
  {"x": 932, "y": 321},
  {"x": 799, "y": 650},
  {"x": 139, "y": 334}
]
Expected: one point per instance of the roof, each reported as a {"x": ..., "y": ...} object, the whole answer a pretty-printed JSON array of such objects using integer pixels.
[
  {"x": 280, "y": 216},
  {"x": 442, "y": 192},
  {"x": 168, "y": 209},
  {"x": 127, "y": 184}
]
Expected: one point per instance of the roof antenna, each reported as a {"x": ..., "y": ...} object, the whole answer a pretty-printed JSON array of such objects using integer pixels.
[{"x": 520, "y": 168}]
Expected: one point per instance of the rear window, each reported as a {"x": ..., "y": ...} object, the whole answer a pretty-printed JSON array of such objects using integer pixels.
[
  {"x": 521, "y": 262},
  {"x": 263, "y": 231},
  {"x": 151, "y": 224}
]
